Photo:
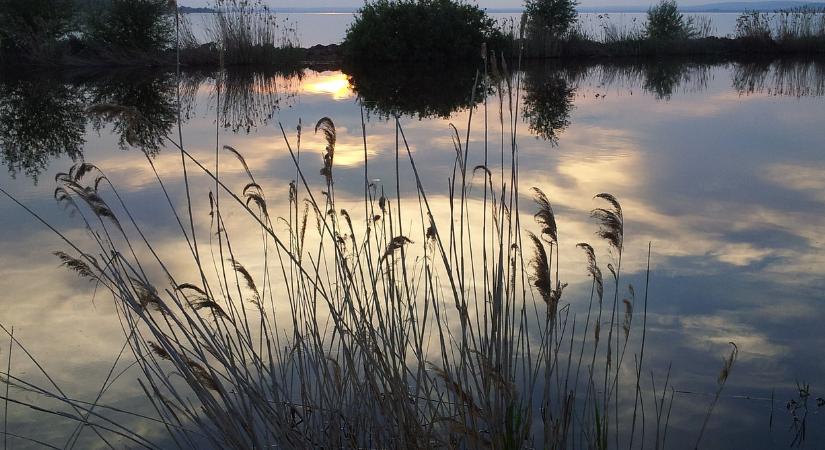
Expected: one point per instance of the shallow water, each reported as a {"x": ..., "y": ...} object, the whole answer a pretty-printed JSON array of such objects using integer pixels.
[{"x": 719, "y": 166}]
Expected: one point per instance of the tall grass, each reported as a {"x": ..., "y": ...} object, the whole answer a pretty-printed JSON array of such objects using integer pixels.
[
  {"x": 784, "y": 26},
  {"x": 247, "y": 32},
  {"x": 438, "y": 320}
]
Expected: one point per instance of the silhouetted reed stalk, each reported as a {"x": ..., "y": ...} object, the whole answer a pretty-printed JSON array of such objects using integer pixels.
[{"x": 358, "y": 333}]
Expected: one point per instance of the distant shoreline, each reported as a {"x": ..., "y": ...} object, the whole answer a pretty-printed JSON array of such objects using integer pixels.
[{"x": 718, "y": 8}]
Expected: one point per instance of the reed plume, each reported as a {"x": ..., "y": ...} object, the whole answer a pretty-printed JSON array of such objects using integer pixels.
[
  {"x": 545, "y": 216},
  {"x": 328, "y": 129},
  {"x": 611, "y": 221}
]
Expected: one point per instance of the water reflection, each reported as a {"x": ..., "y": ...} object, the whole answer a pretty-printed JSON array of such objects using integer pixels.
[
  {"x": 797, "y": 78},
  {"x": 152, "y": 97},
  {"x": 43, "y": 117},
  {"x": 249, "y": 99},
  {"x": 423, "y": 91},
  {"x": 736, "y": 225},
  {"x": 40, "y": 118},
  {"x": 548, "y": 100}
]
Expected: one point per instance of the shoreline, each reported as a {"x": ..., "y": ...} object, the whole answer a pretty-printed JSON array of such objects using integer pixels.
[{"x": 331, "y": 57}]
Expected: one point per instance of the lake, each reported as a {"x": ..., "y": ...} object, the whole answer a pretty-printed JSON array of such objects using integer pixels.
[{"x": 718, "y": 165}]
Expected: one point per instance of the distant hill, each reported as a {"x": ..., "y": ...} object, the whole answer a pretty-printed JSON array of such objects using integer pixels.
[
  {"x": 191, "y": 10},
  {"x": 724, "y": 7},
  {"x": 751, "y": 6}
]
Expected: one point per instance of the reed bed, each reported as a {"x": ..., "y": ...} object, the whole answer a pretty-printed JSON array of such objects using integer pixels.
[
  {"x": 783, "y": 26},
  {"x": 241, "y": 33},
  {"x": 354, "y": 328}
]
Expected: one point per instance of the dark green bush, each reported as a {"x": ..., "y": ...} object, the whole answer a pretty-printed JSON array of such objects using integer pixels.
[
  {"x": 555, "y": 17},
  {"x": 419, "y": 30},
  {"x": 133, "y": 25},
  {"x": 665, "y": 22},
  {"x": 33, "y": 26}
]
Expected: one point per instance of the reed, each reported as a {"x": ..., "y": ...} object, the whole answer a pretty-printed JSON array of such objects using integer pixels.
[
  {"x": 783, "y": 27},
  {"x": 247, "y": 32},
  {"x": 384, "y": 322}
]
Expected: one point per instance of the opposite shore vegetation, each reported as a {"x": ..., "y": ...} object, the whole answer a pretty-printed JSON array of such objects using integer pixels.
[{"x": 245, "y": 33}]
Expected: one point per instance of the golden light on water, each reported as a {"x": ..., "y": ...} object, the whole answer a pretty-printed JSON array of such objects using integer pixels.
[{"x": 336, "y": 85}]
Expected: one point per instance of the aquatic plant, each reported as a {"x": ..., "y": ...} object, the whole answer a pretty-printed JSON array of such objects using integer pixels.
[
  {"x": 382, "y": 321},
  {"x": 247, "y": 32}
]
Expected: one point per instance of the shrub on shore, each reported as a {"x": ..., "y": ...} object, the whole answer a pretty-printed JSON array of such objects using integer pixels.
[
  {"x": 555, "y": 17},
  {"x": 549, "y": 24},
  {"x": 419, "y": 30},
  {"x": 665, "y": 22},
  {"x": 136, "y": 25},
  {"x": 33, "y": 27}
]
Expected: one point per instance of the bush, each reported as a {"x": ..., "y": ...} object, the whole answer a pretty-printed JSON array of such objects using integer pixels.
[
  {"x": 33, "y": 26},
  {"x": 136, "y": 25},
  {"x": 419, "y": 30},
  {"x": 556, "y": 17},
  {"x": 664, "y": 21}
]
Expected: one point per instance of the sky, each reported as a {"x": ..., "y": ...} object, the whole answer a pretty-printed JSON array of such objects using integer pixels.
[{"x": 482, "y": 3}]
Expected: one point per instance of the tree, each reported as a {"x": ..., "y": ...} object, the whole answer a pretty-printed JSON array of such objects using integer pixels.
[
  {"x": 419, "y": 30},
  {"x": 664, "y": 21},
  {"x": 555, "y": 17},
  {"x": 138, "y": 25},
  {"x": 33, "y": 26}
]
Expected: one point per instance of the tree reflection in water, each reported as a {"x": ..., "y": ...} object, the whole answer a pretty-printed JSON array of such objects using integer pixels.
[
  {"x": 415, "y": 90},
  {"x": 41, "y": 118},
  {"x": 548, "y": 99},
  {"x": 153, "y": 99}
]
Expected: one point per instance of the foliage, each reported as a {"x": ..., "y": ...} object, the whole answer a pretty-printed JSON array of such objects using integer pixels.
[
  {"x": 555, "y": 17},
  {"x": 419, "y": 30},
  {"x": 130, "y": 25},
  {"x": 33, "y": 26},
  {"x": 665, "y": 22}
]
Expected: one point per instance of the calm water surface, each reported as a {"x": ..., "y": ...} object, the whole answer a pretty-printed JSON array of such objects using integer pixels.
[{"x": 720, "y": 166}]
